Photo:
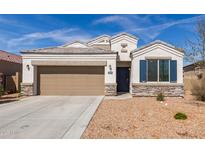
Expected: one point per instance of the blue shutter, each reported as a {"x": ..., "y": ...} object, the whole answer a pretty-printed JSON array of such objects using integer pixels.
[
  {"x": 173, "y": 70},
  {"x": 143, "y": 70}
]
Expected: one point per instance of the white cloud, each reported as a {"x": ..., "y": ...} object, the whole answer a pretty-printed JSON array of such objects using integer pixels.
[
  {"x": 109, "y": 19},
  {"x": 4, "y": 20},
  {"x": 153, "y": 31},
  {"x": 121, "y": 20},
  {"x": 142, "y": 25},
  {"x": 59, "y": 35}
]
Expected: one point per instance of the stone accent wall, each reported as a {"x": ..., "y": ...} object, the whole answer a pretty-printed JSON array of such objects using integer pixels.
[
  {"x": 27, "y": 89},
  {"x": 170, "y": 89},
  {"x": 111, "y": 89}
]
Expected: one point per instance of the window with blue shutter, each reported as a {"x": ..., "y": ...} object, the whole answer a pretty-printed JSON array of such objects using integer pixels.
[
  {"x": 173, "y": 70},
  {"x": 143, "y": 70}
]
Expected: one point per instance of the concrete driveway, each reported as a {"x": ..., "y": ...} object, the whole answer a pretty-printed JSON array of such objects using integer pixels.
[{"x": 47, "y": 116}]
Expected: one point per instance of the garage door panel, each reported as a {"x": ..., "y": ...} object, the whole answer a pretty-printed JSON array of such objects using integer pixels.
[{"x": 70, "y": 80}]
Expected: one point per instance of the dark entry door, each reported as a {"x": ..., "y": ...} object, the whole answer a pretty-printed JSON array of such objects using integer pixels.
[{"x": 123, "y": 79}]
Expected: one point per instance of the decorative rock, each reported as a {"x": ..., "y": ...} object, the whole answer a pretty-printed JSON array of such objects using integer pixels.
[
  {"x": 144, "y": 89},
  {"x": 111, "y": 89},
  {"x": 27, "y": 89}
]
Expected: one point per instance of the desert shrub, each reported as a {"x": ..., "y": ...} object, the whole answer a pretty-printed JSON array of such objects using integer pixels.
[
  {"x": 180, "y": 116},
  {"x": 160, "y": 97},
  {"x": 201, "y": 97},
  {"x": 200, "y": 76},
  {"x": 198, "y": 89}
]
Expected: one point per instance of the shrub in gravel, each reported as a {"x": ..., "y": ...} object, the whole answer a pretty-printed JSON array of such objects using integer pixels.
[
  {"x": 198, "y": 89},
  {"x": 180, "y": 116},
  {"x": 160, "y": 97},
  {"x": 201, "y": 97}
]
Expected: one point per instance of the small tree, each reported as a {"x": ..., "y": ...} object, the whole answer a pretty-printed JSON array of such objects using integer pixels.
[{"x": 195, "y": 51}]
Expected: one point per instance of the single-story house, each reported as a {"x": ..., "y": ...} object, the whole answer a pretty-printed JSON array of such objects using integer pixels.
[
  {"x": 193, "y": 74},
  {"x": 10, "y": 70},
  {"x": 105, "y": 65}
]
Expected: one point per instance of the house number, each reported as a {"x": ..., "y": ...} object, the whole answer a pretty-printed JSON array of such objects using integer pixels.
[{"x": 110, "y": 72}]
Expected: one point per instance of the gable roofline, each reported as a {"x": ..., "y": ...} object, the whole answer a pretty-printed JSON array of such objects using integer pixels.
[
  {"x": 98, "y": 37},
  {"x": 157, "y": 42},
  {"x": 124, "y": 33},
  {"x": 76, "y": 41}
]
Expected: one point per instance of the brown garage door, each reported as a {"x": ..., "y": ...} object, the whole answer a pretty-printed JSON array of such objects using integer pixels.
[{"x": 72, "y": 80}]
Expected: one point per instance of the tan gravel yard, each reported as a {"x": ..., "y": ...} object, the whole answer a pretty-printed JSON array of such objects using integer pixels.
[{"x": 144, "y": 117}]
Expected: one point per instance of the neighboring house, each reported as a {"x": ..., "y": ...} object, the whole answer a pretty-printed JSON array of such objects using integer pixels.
[
  {"x": 105, "y": 65},
  {"x": 192, "y": 75},
  {"x": 11, "y": 70}
]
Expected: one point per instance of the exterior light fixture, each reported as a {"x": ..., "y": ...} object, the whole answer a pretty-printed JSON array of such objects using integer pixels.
[
  {"x": 110, "y": 67},
  {"x": 28, "y": 67},
  {"x": 110, "y": 70}
]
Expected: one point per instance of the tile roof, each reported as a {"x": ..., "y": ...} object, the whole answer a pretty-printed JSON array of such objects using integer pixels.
[
  {"x": 10, "y": 57},
  {"x": 69, "y": 50}
]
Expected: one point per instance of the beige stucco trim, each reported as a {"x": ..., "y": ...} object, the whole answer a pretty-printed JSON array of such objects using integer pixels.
[
  {"x": 69, "y": 63},
  {"x": 123, "y": 64}
]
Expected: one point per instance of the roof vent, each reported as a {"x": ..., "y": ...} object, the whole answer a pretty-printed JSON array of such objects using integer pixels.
[{"x": 124, "y": 47}]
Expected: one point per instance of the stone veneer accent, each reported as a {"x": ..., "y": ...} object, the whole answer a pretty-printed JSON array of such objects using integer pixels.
[
  {"x": 111, "y": 89},
  {"x": 148, "y": 89},
  {"x": 27, "y": 89}
]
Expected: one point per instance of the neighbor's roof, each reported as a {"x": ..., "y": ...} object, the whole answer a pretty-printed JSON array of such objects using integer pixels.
[
  {"x": 10, "y": 57},
  {"x": 198, "y": 63},
  {"x": 158, "y": 42},
  {"x": 69, "y": 50}
]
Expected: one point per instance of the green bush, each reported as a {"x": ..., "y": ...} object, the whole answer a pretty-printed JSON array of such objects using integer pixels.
[
  {"x": 160, "y": 97},
  {"x": 180, "y": 116}
]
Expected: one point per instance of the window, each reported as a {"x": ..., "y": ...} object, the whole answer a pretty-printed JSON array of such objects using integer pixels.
[
  {"x": 163, "y": 70},
  {"x": 152, "y": 70},
  {"x": 158, "y": 70}
]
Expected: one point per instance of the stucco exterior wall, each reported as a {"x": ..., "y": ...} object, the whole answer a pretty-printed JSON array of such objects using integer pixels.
[
  {"x": 156, "y": 52},
  {"x": 116, "y": 46},
  {"x": 30, "y": 75}
]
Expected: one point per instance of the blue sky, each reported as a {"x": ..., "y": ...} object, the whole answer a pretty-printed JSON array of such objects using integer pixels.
[{"x": 20, "y": 32}]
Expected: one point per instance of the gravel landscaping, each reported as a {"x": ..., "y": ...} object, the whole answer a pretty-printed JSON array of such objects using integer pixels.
[{"x": 144, "y": 117}]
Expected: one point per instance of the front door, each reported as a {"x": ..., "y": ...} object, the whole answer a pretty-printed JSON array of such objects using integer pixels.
[{"x": 123, "y": 79}]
